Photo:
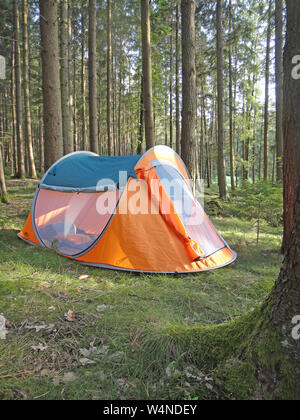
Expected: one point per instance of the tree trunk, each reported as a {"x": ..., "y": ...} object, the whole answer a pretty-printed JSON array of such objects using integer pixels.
[
  {"x": 267, "y": 81},
  {"x": 279, "y": 87},
  {"x": 189, "y": 111},
  {"x": 19, "y": 116},
  {"x": 3, "y": 190},
  {"x": 109, "y": 87},
  {"x": 93, "y": 77},
  {"x": 51, "y": 82},
  {"x": 28, "y": 132},
  {"x": 13, "y": 110},
  {"x": 171, "y": 77},
  {"x": 177, "y": 82},
  {"x": 71, "y": 86},
  {"x": 141, "y": 121},
  {"x": 291, "y": 119},
  {"x": 64, "y": 75},
  {"x": 231, "y": 110},
  {"x": 147, "y": 74},
  {"x": 85, "y": 141},
  {"x": 286, "y": 294},
  {"x": 41, "y": 139},
  {"x": 221, "y": 135}
]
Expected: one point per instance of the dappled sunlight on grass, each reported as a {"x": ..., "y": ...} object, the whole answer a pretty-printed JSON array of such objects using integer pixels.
[{"x": 130, "y": 314}]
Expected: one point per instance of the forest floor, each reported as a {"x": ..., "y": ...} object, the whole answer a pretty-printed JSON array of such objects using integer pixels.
[{"x": 115, "y": 346}]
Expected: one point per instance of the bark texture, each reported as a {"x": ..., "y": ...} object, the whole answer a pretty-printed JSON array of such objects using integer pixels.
[
  {"x": 189, "y": 111},
  {"x": 147, "y": 74},
  {"x": 221, "y": 134},
  {"x": 93, "y": 77},
  {"x": 51, "y": 82}
]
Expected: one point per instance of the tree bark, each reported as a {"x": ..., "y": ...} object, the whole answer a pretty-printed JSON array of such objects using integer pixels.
[
  {"x": 19, "y": 114},
  {"x": 279, "y": 87},
  {"x": 64, "y": 74},
  {"x": 189, "y": 111},
  {"x": 51, "y": 82},
  {"x": 93, "y": 77},
  {"x": 291, "y": 119},
  {"x": 177, "y": 82},
  {"x": 3, "y": 190},
  {"x": 286, "y": 294},
  {"x": 267, "y": 82},
  {"x": 109, "y": 86},
  {"x": 28, "y": 130},
  {"x": 221, "y": 134},
  {"x": 171, "y": 76},
  {"x": 85, "y": 140},
  {"x": 147, "y": 74},
  {"x": 231, "y": 110},
  {"x": 13, "y": 110}
]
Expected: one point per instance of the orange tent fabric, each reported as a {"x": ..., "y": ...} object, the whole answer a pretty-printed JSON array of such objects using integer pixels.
[{"x": 136, "y": 234}]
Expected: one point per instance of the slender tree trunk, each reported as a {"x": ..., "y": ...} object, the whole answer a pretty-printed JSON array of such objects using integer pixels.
[
  {"x": 141, "y": 122},
  {"x": 64, "y": 75},
  {"x": 221, "y": 134},
  {"x": 231, "y": 110},
  {"x": 93, "y": 77},
  {"x": 3, "y": 190},
  {"x": 171, "y": 77},
  {"x": 28, "y": 132},
  {"x": 19, "y": 116},
  {"x": 71, "y": 86},
  {"x": 291, "y": 120},
  {"x": 279, "y": 87},
  {"x": 109, "y": 87},
  {"x": 267, "y": 82},
  {"x": 147, "y": 74},
  {"x": 13, "y": 110},
  {"x": 189, "y": 111},
  {"x": 85, "y": 140},
  {"x": 177, "y": 82},
  {"x": 41, "y": 138},
  {"x": 51, "y": 82}
]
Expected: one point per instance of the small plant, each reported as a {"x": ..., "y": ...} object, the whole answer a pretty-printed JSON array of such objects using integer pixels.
[{"x": 260, "y": 202}]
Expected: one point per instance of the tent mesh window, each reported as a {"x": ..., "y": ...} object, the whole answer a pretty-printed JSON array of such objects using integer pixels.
[
  {"x": 197, "y": 224},
  {"x": 71, "y": 222}
]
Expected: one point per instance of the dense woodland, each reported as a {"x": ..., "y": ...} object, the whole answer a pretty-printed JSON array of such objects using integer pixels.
[
  {"x": 211, "y": 79},
  {"x": 118, "y": 94}
]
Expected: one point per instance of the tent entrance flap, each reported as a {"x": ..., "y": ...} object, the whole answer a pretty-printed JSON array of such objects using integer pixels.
[
  {"x": 71, "y": 223},
  {"x": 196, "y": 223}
]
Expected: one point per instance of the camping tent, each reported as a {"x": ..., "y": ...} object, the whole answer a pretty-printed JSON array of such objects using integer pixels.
[{"x": 134, "y": 213}]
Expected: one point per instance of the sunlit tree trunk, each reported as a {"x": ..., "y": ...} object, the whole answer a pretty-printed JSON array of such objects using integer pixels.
[
  {"x": 18, "y": 81},
  {"x": 93, "y": 77},
  {"x": 109, "y": 86},
  {"x": 279, "y": 87},
  {"x": 221, "y": 134},
  {"x": 189, "y": 111},
  {"x": 147, "y": 74},
  {"x": 28, "y": 130},
  {"x": 267, "y": 82},
  {"x": 51, "y": 82},
  {"x": 64, "y": 76}
]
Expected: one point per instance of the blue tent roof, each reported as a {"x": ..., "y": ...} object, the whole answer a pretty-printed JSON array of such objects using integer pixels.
[{"x": 84, "y": 171}]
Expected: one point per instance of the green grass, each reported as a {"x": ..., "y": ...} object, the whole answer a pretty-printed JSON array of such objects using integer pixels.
[{"x": 142, "y": 361}]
